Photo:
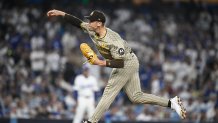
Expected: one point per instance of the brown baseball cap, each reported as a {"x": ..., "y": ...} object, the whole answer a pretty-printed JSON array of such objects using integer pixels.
[{"x": 96, "y": 16}]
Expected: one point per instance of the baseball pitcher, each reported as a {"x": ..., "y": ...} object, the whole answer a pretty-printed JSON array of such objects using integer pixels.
[{"x": 119, "y": 56}]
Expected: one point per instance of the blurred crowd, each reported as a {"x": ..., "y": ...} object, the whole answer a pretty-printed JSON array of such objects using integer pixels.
[{"x": 177, "y": 48}]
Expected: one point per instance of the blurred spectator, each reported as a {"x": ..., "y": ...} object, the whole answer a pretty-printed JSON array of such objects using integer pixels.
[
  {"x": 53, "y": 61},
  {"x": 155, "y": 85},
  {"x": 37, "y": 42},
  {"x": 37, "y": 61},
  {"x": 146, "y": 115},
  {"x": 69, "y": 42}
]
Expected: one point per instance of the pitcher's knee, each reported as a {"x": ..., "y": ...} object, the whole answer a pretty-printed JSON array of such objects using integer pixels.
[{"x": 137, "y": 97}]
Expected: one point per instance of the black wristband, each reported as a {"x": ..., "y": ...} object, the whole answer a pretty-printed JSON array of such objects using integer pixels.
[
  {"x": 169, "y": 104},
  {"x": 73, "y": 20},
  {"x": 116, "y": 63}
]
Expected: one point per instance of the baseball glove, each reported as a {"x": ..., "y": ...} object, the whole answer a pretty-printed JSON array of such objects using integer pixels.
[{"x": 88, "y": 53}]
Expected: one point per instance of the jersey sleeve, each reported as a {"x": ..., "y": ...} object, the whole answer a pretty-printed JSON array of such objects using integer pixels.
[{"x": 117, "y": 51}]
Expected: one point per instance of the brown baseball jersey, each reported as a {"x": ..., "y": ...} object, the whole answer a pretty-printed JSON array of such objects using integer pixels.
[{"x": 112, "y": 46}]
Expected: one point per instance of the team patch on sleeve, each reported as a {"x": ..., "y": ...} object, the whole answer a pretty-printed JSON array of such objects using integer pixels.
[
  {"x": 117, "y": 52},
  {"x": 121, "y": 51}
]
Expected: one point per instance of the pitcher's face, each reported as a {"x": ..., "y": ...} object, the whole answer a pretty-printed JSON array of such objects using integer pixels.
[{"x": 93, "y": 26}]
